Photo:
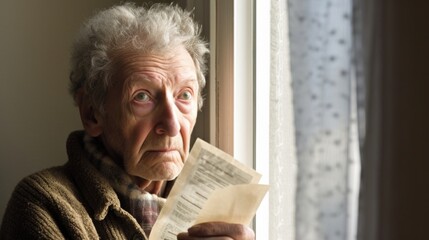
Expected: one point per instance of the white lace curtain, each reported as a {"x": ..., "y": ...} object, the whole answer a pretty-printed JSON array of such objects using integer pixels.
[{"x": 314, "y": 146}]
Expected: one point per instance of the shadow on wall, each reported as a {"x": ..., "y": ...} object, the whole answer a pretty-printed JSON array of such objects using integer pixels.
[{"x": 37, "y": 113}]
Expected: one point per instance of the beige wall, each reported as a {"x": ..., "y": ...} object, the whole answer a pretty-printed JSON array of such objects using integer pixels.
[{"x": 36, "y": 112}]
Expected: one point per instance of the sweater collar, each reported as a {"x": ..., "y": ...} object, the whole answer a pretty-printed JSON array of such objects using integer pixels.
[
  {"x": 142, "y": 205},
  {"x": 95, "y": 188}
]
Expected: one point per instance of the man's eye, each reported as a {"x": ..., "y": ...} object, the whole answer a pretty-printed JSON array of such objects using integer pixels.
[
  {"x": 186, "y": 95},
  {"x": 142, "y": 97}
]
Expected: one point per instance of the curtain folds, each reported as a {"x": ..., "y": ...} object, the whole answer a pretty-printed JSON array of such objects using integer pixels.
[
  {"x": 314, "y": 144},
  {"x": 282, "y": 133}
]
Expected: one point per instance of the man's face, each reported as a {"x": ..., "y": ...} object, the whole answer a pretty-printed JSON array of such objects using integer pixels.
[{"x": 150, "y": 112}]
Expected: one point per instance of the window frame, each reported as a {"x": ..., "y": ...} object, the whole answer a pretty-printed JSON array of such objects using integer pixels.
[{"x": 239, "y": 123}]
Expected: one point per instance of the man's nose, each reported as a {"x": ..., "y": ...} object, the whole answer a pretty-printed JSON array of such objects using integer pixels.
[{"x": 168, "y": 121}]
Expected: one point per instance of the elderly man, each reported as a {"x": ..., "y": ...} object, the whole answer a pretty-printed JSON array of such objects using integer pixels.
[{"x": 136, "y": 77}]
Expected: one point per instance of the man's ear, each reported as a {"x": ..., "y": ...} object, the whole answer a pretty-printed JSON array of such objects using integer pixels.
[{"x": 91, "y": 119}]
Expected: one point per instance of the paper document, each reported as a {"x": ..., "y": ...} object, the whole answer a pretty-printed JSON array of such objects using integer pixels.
[{"x": 212, "y": 186}]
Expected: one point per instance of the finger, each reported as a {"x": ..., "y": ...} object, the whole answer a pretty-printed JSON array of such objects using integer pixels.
[
  {"x": 235, "y": 231},
  {"x": 183, "y": 236}
]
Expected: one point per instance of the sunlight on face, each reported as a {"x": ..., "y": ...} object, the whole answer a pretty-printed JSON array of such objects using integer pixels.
[{"x": 151, "y": 110}]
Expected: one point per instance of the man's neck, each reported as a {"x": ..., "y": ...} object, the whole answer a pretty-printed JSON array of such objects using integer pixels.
[{"x": 154, "y": 187}]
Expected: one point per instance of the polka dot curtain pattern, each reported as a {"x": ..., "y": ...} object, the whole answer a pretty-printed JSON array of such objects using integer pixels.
[{"x": 324, "y": 101}]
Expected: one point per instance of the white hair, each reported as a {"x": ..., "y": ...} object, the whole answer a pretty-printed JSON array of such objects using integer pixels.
[{"x": 158, "y": 28}]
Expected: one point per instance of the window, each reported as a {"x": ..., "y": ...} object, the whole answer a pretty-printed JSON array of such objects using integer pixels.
[{"x": 264, "y": 123}]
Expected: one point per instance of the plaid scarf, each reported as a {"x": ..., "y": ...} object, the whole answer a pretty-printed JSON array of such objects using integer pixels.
[{"x": 143, "y": 206}]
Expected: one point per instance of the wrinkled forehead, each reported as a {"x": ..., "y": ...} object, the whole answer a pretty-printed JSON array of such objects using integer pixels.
[{"x": 173, "y": 65}]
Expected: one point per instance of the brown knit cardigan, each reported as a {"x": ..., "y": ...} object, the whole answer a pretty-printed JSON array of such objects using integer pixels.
[{"x": 73, "y": 201}]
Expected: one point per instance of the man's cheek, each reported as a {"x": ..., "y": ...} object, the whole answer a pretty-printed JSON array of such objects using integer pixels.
[{"x": 139, "y": 133}]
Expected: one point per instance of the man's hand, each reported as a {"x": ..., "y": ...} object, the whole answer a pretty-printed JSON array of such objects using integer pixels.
[{"x": 218, "y": 231}]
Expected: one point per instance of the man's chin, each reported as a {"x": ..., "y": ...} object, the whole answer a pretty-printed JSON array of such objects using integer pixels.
[
  {"x": 164, "y": 172},
  {"x": 169, "y": 174}
]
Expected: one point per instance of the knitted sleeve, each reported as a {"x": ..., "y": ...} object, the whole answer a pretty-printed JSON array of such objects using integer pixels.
[
  {"x": 27, "y": 215},
  {"x": 46, "y": 205}
]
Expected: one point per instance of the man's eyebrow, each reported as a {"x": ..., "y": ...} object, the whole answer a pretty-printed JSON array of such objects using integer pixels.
[{"x": 136, "y": 80}]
